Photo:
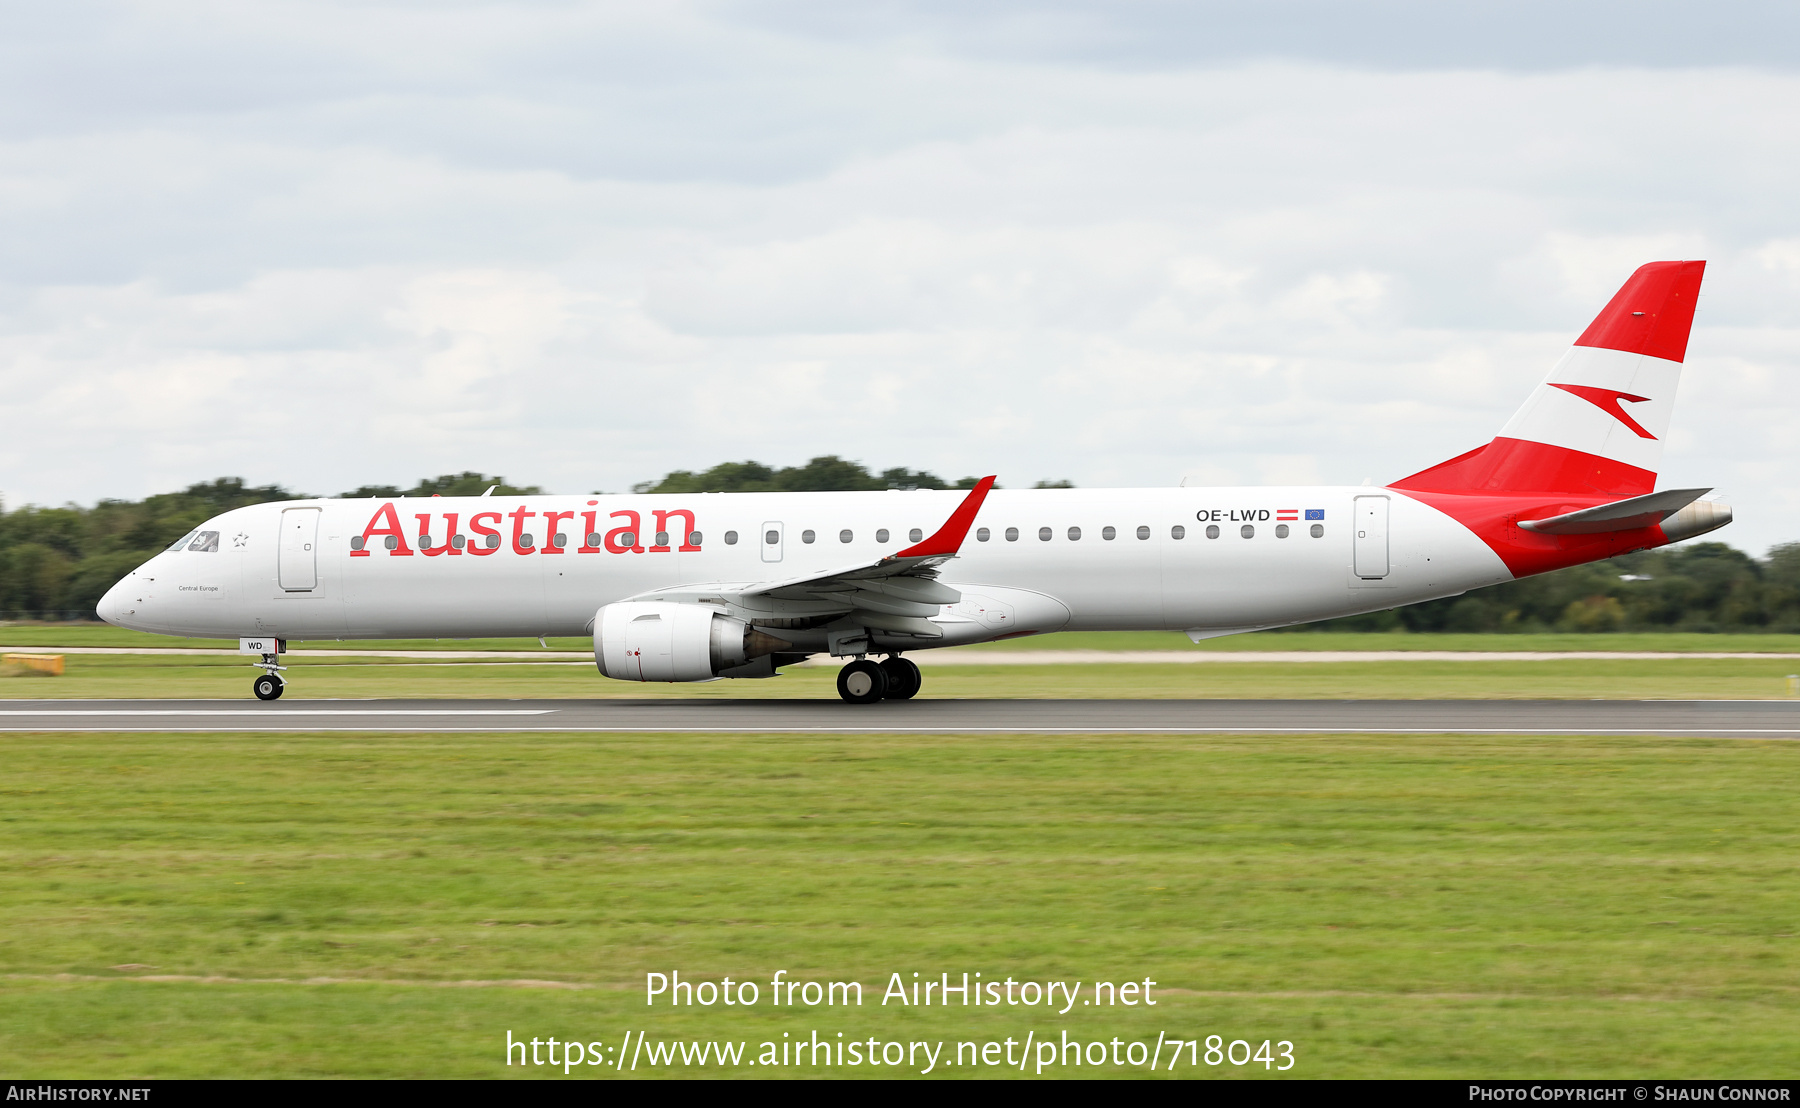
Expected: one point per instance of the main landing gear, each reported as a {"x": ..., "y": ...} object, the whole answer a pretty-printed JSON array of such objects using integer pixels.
[
  {"x": 270, "y": 685},
  {"x": 865, "y": 682}
]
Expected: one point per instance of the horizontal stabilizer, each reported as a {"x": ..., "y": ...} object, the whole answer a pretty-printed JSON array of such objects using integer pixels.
[{"x": 1620, "y": 515}]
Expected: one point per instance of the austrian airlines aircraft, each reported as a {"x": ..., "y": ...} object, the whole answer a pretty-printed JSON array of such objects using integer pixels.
[{"x": 680, "y": 587}]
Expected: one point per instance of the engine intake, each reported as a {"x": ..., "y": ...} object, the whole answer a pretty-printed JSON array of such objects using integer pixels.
[{"x": 653, "y": 640}]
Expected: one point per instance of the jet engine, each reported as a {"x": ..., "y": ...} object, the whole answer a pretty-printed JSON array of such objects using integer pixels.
[{"x": 651, "y": 640}]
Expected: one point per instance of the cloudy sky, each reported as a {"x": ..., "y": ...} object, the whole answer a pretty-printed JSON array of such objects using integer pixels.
[{"x": 581, "y": 244}]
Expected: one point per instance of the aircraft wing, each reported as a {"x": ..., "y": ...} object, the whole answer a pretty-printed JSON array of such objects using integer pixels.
[
  {"x": 918, "y": 561},
  {"x": 896, "y": 592}
]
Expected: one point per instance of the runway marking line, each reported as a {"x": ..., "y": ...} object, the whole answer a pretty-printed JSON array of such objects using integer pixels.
[{"x": 287, "y": 712}]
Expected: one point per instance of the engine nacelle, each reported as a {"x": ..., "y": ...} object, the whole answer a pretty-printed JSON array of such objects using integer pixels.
[{"x": 652, "y": 640}]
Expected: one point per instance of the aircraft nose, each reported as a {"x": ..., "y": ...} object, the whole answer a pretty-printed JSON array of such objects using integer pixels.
[{"x": 108, "y": 607}]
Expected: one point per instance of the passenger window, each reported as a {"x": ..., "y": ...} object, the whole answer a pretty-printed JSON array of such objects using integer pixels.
[
  {"x": 458, "y": 541},
  {"x": 693, "y": 538},
  {"x": 393, "y": 543},
  {"x": 730, "y": 538},
  {"x": 772, "y": 538},
  {"x": 662, "y": 538},
  {"x": 1247, "y": 531},
  {"x": 527, "y": 541},
  {"x": 805, "y": 536},
  {"x": 1143, "y": 532},
  {"x": 629, "y": 538},
  {"x": 207, "y": 542},
  {"x": 845, "y": 536},
  {"x": 1281, "y": 530},
  {"x": 1178, "y": 532},
  {"x": 1109, "y": 533},
  {"x": 1043, "y": 534},
  {"x": 424, "y": 542},
  {"x": 1318, "y": 530},
  {"x": 881, "y": 535},
  {"x": 982, "y": 534},
  {"x": 493, "y": 541},
  {"x": 916, "y": 535},
  {"x": 1074, "y": 534},
  {"x": 1012, "y": 534},
  {"x": 593, "y": 539},
  {"x": 1212, "y": 530},
  {"x": 559, "y": 540},
  {"x": 185, "y": 539},
  {"x": 357, "y": 542}
]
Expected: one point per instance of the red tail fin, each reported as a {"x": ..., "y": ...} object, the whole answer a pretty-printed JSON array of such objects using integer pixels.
[{"x": 1574, "y": 436}]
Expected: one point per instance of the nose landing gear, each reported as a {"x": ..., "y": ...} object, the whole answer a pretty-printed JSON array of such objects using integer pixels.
[{"x": 271, "y": 684}]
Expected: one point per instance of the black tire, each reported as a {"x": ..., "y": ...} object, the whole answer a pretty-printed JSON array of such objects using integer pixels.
[
  {"x": 268, "y": 687},
  {"x": 903, "y": 677},
  {"x": 862, "y": 682}
]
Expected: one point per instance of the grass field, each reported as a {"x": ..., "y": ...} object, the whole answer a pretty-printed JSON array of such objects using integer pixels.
[
  {"x": 392, "y": 905},
  {"x": 97, "y": 634},
  {"x": 178, "y": 676},
  {"x": 1418, "y": 907}
]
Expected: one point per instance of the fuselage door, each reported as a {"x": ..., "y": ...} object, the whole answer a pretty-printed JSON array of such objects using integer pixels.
[
  {"x": 1371, "y": 517},
  {"x": 299, "y": 554},
  {"x": 771, "y": 537}
]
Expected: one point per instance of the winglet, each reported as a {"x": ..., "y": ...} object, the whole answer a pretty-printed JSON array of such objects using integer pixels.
[{"x": 948, "y": 539}]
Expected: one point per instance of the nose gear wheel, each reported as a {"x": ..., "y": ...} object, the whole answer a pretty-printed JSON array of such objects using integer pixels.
[{"x": 271, "y": 684}]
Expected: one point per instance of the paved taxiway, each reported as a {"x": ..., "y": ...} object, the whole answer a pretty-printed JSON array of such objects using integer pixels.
[{"x": 1769, "y": 719}]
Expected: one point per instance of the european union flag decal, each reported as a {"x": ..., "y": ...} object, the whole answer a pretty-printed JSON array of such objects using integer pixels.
[{"x": 1315, "y": 513}]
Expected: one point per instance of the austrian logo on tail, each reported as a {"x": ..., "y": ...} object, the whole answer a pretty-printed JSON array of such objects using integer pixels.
[{"x": 1607, "y": 400}]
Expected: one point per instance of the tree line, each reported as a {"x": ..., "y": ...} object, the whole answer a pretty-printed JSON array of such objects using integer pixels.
[
  {"x": 58, "y": 562},
  {"x": 1697, "y": 586}
]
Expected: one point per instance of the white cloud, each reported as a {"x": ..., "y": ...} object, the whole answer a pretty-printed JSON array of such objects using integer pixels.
[{"x": 583, "y": 245}]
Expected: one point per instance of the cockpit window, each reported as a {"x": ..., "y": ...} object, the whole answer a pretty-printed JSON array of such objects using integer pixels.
[
  {"x": 182, "y": 541},
  {"x": 207, "y": 542}
]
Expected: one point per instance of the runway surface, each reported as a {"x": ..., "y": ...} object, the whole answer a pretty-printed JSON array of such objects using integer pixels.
[{"x": 1744, "y": 719}]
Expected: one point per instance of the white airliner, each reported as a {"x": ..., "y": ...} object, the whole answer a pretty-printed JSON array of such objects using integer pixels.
[{"x": 685, "y": 587}]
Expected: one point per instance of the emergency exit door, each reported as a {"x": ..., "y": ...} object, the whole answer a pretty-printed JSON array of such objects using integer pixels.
[
  {"x": 771, "y": 541},
  {"x": 299, "y": 553},
  {"x": 1371, "y": 515}
]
